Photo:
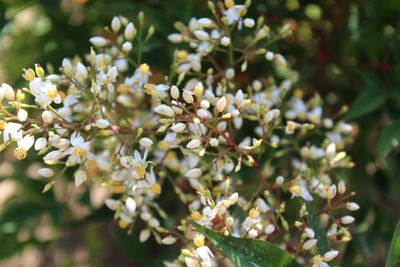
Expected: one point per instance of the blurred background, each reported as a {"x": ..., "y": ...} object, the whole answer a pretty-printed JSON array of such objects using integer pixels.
[{"x": 345, "y": 50}]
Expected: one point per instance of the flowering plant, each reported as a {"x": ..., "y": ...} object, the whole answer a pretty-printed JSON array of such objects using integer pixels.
[{"x": 237, "y": 153}]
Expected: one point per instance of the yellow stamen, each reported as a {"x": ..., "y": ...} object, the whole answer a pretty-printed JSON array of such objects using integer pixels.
[
  {"x": 20, "y": 153},
  {"x": 79, "y": 152},
  {"x": 123, "y": 224},
  {"x": 229, "y": 3},
  {"x": 144, "y": 68},
  {"x": 156, "y": 188},
  {"x": 254, "y": 213},
  {"x": 199, "y": 241},
  {"x": 52, "y": 93},
  {"x": 196, "y": 216},
  {"x": 164, "y": 145},
  {"x": 140, "y": 170}
]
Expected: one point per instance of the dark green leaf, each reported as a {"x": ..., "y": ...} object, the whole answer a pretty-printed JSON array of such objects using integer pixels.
[
  {"x": 393, "y": 258},
  {"x": 390, "y": 137},
  {"x": 320, "y": 235},
  {"x": 246, "y": 252},
  {"x": 367, "y": 101}
]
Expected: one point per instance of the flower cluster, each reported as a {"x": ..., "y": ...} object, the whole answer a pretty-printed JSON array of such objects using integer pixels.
[{"x": 238, "y": 148}]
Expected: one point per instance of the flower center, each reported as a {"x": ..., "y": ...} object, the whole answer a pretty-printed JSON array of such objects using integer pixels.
[
  {"x": 79, "y": 152},
  {"x": 156, "y": 188},
  {"x": 140, "y": 170},
  {"x": 20, "y": 153},
  {"x": 144, "y": 68},
  {"x": 52, "y": 93}
]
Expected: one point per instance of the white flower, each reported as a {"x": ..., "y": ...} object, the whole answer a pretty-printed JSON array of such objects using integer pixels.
[
  {"x": 193, "y": 173},
  {"x": 26, "y": 143},
  {"x": 80, "y": 177},
  {"x": 98, "y": 41},
  {"x": 234, "y": 13},
  {"x": 45, "y": 92},
  {"x": 204, "y": 254},
  {"x": 46, "y": 172},
  {"x": 79, "y": 150},
  {"x": 81, "y": 72},
  {"x": 300, "y": 190},
  {"x": 12, "y": 131},
  {"x": 195, "y": 143},
  {"x": 164, "y": 110}
]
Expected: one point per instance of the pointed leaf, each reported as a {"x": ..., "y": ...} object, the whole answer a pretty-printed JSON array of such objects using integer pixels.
[
  {"x": 367, "y": 101},
  {"x": 389, "y": 138},
  {"x": 246, "y": 252},
  {"x": 320, "y": 234},
  {"x": 393, "y": 258}
]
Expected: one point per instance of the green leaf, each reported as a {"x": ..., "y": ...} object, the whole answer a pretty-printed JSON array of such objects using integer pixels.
[
  {"x": 389, "y": 138},
  {"x": 393, "y": 258},
  {"x": 320, "y": 234},
  {"x": 246, "y": 252},
  {"x": 367, "y": 101}
]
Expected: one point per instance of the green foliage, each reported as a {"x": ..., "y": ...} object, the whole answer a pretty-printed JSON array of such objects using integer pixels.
[
  {"x": 393, "y": 258},
  {"x": 246, "y": 252},
  {"x": 320, "y": 234}
]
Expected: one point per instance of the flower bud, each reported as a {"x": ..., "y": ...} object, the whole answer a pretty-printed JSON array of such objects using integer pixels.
[
  {"x": 221, "y": 104},
  {"x": 347, "y": 219},
  {"x": 202, "y": 35},
  {"x": 174, "y": 92},
  {"x": 116, "y": 24},
  {"x": 145, "y": 142},
  {"x": 230, "y": 73},
  {"x": 225, "y": 41},
  {"x": 80, "y": 178},
  {"x": 342, "y": 187},
  {"x": 8, "y": 92},
  {"x": 39, "y": 71},
  {"x": 193, "y": 173},
  {"x": 46, "y": 172},
  {"x": 249, "y": 23},
  {"x": 178, "y": 127},
  {"x": 269, "y": 56},
  {"x": 98, "y": 41},
  {"x": 130, "y": 205},
  {"x": 47, "y": 117},
  {"x": 164, "y": 110},
  {"x": 330, "y": 255},
  {"x": 22, "y": 115},
  {"x": 102, "y": 123},
  {"x": 352, "y": 206},
  {"x": 309, "y": 244},
  {"x": 195, "y": 143},
  {"x": 130, "y": 31}
]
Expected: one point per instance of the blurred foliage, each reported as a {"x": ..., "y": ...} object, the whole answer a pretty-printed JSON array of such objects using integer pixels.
[{"x": 347, "y": 51}]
